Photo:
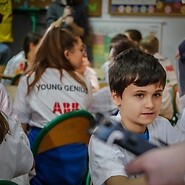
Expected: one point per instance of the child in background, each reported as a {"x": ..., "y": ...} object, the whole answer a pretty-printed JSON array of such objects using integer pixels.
[
  {"x": 6, "y": 103},
  {"x": 101, "y": 100},
  {"x": 16, "y": 156},
  {"x": 113, "y": 41},
  {"x": 89, "y": 73},
  {"x": 18, "y": 63},
  {"x": 86, "y": 70},
  {"x": 18, "y": 146},
  {"x": 73, "y": 15},
  {"x": 134, "y": 36},
  {"x": 138, "y": 95},
  {"x": 52, "y": 87},
  {"x": 150, "y": 44}
]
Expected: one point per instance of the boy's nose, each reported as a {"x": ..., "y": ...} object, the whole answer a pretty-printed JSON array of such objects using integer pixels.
[{"x": 149, "y": 103}]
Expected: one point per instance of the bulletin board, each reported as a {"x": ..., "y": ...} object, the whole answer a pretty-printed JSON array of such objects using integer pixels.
[{"x": 147, "y": 7}]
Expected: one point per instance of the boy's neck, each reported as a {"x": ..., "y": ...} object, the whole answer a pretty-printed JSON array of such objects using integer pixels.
[{"x": 138, "y": 129}]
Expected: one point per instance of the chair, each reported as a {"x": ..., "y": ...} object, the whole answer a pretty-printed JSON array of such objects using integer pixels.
[
  {"x": 15, "y": 79},
  {"x": 7, "y": 182},
  {"x": 64, "y": 130},
  {"x": 88, "y": 179}
]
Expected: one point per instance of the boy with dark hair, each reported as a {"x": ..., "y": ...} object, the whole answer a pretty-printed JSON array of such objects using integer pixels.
[
  {"x": 133, "y": 35},
  {"x": 137, "y": 81}
]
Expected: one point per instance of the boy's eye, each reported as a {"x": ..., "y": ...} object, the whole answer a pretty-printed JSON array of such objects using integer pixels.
[
  {"x": 158, "y": 95},
  {"x": 140, "y": 95}
]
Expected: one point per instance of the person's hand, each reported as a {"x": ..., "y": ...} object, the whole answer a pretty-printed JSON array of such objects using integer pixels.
[
  {"x": 85, "y": 63},
  {"x": 161, "y": 166},
  {"x": 57, "y": 23},
  {"x": 69, "y": 20}
]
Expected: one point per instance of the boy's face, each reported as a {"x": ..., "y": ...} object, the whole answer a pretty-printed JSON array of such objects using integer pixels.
[{"x": 139, "y": 106}]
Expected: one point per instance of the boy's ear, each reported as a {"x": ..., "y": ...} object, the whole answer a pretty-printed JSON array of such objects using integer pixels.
[{"x": 116, "y": 99}]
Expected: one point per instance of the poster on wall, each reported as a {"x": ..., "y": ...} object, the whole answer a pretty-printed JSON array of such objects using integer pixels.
[
  {"x": 105, "y": 30},
  {"x": 94, "y": 8},
  {"x": 147, "y": 7},
  {"x": 100, "y": 49}
]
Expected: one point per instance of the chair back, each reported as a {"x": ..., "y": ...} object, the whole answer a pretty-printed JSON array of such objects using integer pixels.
[
  {"x": 88, "y": 179},
  {"x": 60, "y": 149},
  {"x": 15, "y": 79},
  {"x": 69, "y": 128}
]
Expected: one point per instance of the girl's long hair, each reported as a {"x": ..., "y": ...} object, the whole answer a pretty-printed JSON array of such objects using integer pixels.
[{"x": 50, "y": 54}]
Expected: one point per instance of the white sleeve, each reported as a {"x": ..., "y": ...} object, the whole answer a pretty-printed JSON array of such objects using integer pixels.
[
  {"x": 24, "y": 161},
  {"x": 6, "y": 104},
  {"x": 13, "y": 67},
  {"x": 102, "y": 102},
  {"x": 16, "y": 156},
  {"x": 21, "y": 110},
  {"x": 91, "y": 74},
  {"x": 105, "y": 161},
  {"x": 89, "y": 87}
]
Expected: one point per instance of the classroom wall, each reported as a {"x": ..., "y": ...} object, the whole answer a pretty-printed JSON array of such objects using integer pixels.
[{"x": 170, "y": 29}]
